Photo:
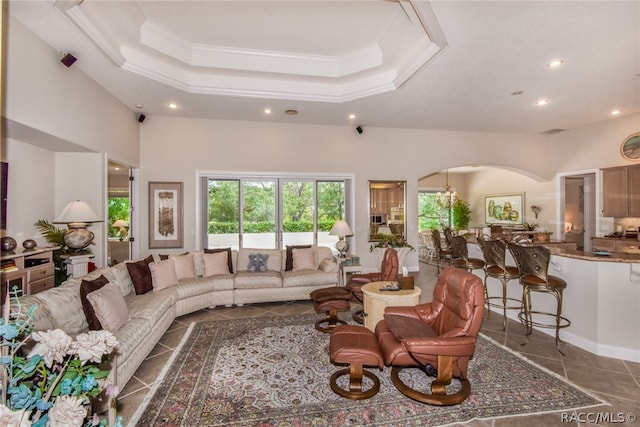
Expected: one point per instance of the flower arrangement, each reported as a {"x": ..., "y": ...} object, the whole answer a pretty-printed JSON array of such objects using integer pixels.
[
  {"x": 54, "y": 383},
  {"x": 389, "y": 241}
]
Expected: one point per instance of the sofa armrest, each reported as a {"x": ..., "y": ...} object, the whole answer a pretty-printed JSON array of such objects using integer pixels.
[{"x": 328, "y": 265}]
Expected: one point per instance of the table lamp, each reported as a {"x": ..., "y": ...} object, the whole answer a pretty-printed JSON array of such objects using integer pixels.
[
  {"x": 341, "y": 229},
  {"x": 121, "y": 225},
  {"x": 77, "y": 215}
]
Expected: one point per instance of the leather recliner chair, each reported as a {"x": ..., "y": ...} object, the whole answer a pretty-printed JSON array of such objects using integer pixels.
[
  {"x": 388, "y": 272},
  {"x": 438, "y": 337}
]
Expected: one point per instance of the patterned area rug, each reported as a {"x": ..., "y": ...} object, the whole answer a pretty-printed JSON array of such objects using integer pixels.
[{"x": 275, "y": 372}]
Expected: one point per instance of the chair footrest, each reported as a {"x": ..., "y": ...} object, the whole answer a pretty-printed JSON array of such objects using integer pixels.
[{"x": 564, "y": 322}]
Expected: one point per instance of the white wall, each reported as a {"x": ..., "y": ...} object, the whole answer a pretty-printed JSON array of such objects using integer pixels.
[
  {"x": 49, "y": 113},
  {"x": 43, "y": 94},
  {"x": 30, "y": 190},
  {"x": 172, "y": 149},
  {"x": 595, "y": 146},
  {"x": 89, "y": 170}
]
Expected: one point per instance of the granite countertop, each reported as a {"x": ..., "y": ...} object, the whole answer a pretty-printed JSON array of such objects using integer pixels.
[{"x": 589, "y": 256}]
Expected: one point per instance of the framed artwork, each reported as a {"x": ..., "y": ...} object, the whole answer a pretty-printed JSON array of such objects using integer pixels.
[
  {"x": 504, "y": 209},
  {"x": 165, "y": 215},
  {"x": 630, "y": 148}
]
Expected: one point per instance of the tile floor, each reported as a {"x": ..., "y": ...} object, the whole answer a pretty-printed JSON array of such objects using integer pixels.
[{"x": 616, "y": 381}]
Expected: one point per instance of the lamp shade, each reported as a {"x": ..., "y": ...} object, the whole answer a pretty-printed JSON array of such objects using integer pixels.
[
  {"x": 119, "y": 224},
  {"x": 75, "y": 213},
  {"x": 341, "y": 228}
]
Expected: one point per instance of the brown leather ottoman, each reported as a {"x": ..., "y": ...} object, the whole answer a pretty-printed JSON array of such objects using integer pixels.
[
  {"x": 330, "y": 301},
  {"x": 355, "y": 346}
]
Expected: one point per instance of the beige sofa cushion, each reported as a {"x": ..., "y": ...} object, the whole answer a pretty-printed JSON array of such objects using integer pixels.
[
  {"x": 202, "y": 285},
  {"x": 163, "y": 274},
  {"x": 215, "y": 263},
  {"x": 42, "y": 318},
  {"x": 185, "y": 265},
  {"x": 63, "y": 303},
  {"x": 120, "y": 275},
  {"x": 304, "y": 259},
  {"x": 323, "y": 252},
  {"x": 255, "y": 280},
  {"x": 291, "y": 279},
  {"x": 109, "y": 306}
]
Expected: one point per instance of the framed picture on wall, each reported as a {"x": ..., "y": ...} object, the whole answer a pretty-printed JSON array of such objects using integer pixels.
[
  {"x": 504, "y": 209},
  {"x": 165, "y": 215},
  {"x": 630, "y": 148}
]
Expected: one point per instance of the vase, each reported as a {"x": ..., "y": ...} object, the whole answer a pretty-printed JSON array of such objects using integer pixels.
[{"x": 378, "y": 253}]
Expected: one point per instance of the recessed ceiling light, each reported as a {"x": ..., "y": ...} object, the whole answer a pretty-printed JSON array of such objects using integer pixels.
[
  {"x": 541, "y": 102},
  {"x": 267, "y": 110},
  {"x": 352, "y": 116},
  {"x": 555, "y": 63},
  {"x": 615, "y": 112},
  {"x": 172, "y": 105},
  {"x": 139, "y": 106},
  {"x": 291, "y": 112}
]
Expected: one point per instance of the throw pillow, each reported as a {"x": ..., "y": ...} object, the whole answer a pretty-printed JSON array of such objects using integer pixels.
[
  {"x": 328, "y": 266},
  {"x": 304, "y": 259},
  {"x": 163, "y": 274},
  {"x": 185, "y": 267},
  {"x": 215, "y": 263},
  {"x": 141, "y": 275},
  {"x": 289, "y": 261},
  {"x": 229, "y": 259},
  {"x": 109, "y": 306},
  {"x": 257, "y": 262},
  {"x": 86, "y": 287}
]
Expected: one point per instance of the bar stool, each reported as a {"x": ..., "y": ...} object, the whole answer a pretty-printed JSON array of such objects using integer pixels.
[
  {"x": 533, "y": 265},
  {"x": 441, "y": 254},
  {"x": 460, "y": 254},
  {"x": 494, "y": 252}
]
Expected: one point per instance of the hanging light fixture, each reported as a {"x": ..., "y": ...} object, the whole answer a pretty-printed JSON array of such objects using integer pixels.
[{"x": 445, "y": 201}]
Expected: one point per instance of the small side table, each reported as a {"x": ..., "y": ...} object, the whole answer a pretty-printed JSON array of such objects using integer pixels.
[
  {"x": 348, "y": 269},
  {"x": 376, "y": 300}
]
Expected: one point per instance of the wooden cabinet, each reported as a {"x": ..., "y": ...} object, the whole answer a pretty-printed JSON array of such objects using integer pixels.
[
  {"x": 30, "y": 271},
  {"x": 621, "y": 191},
  {"x": 633, "y": 173},
  {"x": 380, "y": 202}
]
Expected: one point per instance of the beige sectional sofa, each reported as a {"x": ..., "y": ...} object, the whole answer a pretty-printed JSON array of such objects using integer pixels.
[{"x": 150, "y": 314}]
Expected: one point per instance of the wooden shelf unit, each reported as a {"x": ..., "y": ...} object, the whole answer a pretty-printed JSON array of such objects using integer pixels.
[{"x": 28, "y": 278}]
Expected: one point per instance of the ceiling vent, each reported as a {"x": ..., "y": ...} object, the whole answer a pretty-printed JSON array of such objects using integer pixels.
[{"x": 553, "y": 131}]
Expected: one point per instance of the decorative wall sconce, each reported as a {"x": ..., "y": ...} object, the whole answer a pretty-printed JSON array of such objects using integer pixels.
[{"x": 536, "y": 210}]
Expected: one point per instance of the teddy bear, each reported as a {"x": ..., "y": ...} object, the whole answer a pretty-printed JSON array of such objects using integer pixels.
[{"x": 258, "y": 262}]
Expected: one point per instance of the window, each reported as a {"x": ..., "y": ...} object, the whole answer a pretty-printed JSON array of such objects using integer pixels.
[
  {"x": 271, "y": 212},
  {"x": 428, "y": 211}
]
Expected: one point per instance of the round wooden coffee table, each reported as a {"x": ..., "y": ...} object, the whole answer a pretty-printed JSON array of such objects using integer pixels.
[{"x": 376, "y": 300}]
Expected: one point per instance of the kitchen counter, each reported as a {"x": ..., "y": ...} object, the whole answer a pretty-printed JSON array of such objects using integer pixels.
[
  {"x": 602, "y": 299},
  {"x": 632, "y": 257},
  {"x": 616, "y": 244}
]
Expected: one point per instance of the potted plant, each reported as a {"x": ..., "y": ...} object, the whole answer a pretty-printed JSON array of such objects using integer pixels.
[
  {"x": 55, "y": 380},
  {"x": 385, "y": 241},
  {"x": 461, "y": 213},
  {"x": 55, "y": 236}
]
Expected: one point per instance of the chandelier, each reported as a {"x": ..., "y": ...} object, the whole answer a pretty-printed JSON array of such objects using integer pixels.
[{"x": 445, "y": 201}]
